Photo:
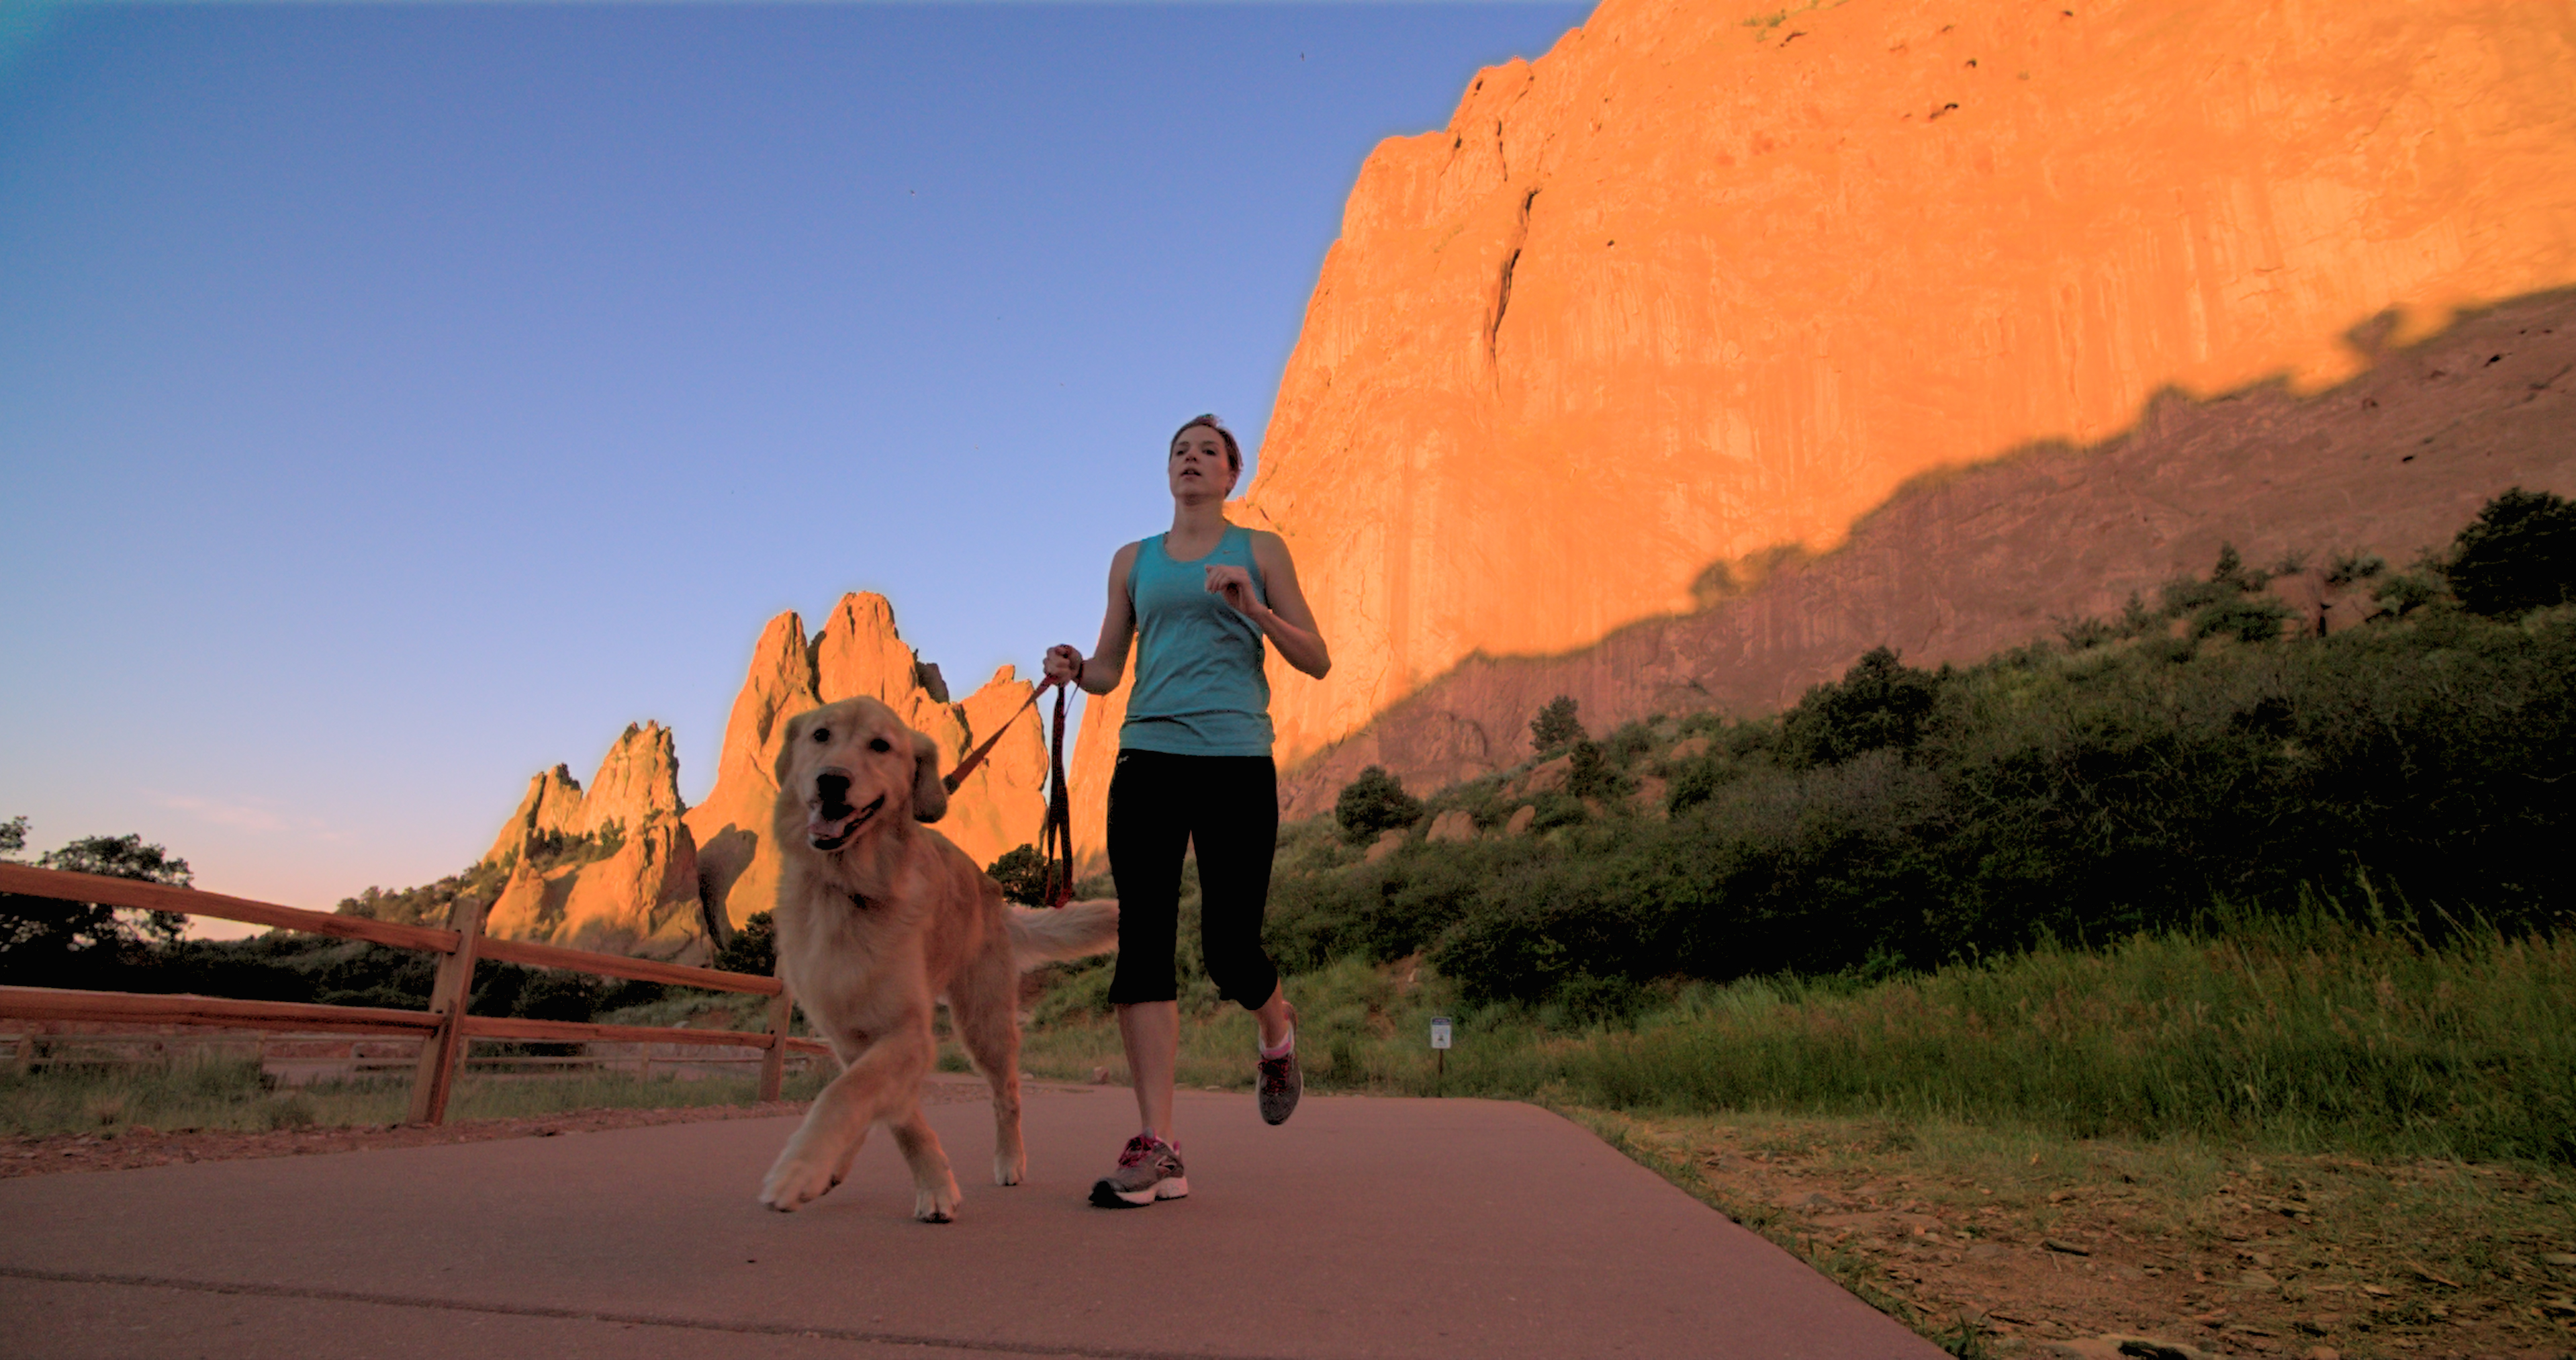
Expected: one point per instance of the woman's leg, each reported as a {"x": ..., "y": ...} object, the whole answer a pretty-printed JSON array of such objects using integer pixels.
[
  {"x": 1238, "y": 835},
  {"x": 1151, "y": 1030},
  {"x": 1147, "y": 834},
  {"x": 1275, "y": 1017}
]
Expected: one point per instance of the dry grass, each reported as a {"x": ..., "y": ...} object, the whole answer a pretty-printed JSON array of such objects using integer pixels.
[
  {"x": 2002, "y": 1242},
  {"x": 217, "y": 1093}
]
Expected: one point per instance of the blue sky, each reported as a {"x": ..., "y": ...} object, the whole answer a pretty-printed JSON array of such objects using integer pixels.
[{"x": 396, "y": 400}]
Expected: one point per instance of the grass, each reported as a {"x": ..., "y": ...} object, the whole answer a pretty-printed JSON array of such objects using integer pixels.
[
  {"x": 2311, "y": 1034},
  {"x": 227, "y": 1093},
  {"x": 2307, "y": 1034},
  {"x": 1947, "y": 1226}
]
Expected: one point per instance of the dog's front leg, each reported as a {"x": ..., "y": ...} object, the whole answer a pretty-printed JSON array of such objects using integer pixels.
[
  {"x": 886, "y": 1076},
  {"x": 934, "y": 1184}
]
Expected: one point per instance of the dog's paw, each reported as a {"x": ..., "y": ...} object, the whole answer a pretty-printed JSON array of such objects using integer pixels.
[
  {"x": 1009, "y": 1170},
  {"x": 936, "y": 1206},
  {"x": 793, "y": 1184}
]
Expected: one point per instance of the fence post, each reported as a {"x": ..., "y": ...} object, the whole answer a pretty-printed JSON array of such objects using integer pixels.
[
  {"x": 444, "y": 1049},
  {"x": 773, "y": 1063}
]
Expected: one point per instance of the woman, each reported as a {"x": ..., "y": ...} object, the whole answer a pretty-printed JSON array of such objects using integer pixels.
[{"x": 1194, "y": 767}]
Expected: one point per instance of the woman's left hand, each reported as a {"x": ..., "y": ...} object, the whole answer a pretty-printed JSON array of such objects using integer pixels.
[{"x": 1234, "y": 585}]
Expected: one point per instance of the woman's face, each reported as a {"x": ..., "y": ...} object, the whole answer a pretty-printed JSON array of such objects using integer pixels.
[{"x": 1198, "y": 468}]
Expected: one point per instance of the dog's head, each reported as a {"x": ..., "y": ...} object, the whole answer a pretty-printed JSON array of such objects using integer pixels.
[{"x": 853, "y": 766}]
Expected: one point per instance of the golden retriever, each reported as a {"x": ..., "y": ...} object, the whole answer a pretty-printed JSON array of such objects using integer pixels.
[{"x": 878, "y": 918}]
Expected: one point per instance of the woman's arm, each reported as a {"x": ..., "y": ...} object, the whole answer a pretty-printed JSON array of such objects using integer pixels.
[
  {"x": 1286, "y": 620},
  {"x": 1107, "y": 664}
]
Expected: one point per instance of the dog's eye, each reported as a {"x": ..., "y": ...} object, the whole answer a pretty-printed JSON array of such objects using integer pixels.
[
  {"x": 821, "y": 735},
  {"x": 880, "y": 744}
]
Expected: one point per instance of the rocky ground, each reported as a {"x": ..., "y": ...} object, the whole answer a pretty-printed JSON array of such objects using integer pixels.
[{"x": 2000, "y": 1246}]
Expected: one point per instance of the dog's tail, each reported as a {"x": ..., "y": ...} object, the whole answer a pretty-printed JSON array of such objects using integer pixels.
[{"x": 1071, "y": 931}]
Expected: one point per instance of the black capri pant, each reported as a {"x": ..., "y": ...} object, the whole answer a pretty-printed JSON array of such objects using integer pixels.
[{"x": 1159, "y": 804}]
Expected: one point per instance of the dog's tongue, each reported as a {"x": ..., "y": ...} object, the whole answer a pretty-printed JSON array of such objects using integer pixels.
[{"x": 823, "y": 828}]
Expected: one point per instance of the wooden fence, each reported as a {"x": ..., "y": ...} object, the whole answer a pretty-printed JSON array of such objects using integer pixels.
[{"x": 443, "y": 1029}]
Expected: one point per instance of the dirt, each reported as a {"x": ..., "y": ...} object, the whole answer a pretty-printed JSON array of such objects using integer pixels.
[{"x": 2108, "y": 1251}]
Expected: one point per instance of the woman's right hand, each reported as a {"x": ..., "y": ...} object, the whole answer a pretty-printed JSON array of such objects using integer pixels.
[{"x": 1063, "y": 665}]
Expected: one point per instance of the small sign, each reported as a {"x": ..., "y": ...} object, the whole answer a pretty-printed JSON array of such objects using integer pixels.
[{"x": 1440, "y": 1031}]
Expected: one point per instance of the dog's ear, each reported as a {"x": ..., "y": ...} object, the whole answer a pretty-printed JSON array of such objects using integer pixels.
[
  {"x": 929, "y": 792},
  {"x": 787, "y": 750}
]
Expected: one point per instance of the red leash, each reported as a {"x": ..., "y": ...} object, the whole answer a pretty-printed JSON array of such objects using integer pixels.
[{"x": 1055, "y": 837}]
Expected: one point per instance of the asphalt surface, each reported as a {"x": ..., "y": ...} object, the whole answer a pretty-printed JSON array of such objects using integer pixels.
[{"x": 1362, "y": 1227}]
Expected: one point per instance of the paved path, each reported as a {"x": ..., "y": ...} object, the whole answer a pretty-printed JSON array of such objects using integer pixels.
[{"x": 1363, "y": 1227}]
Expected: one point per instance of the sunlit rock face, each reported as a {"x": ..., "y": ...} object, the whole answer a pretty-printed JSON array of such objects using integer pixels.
[
  {"x": 641, "y": 895},
  {"x": 553, "y": 803},
  {"x": 628, "y": 868},
  {"x": 859, "y": 652},
  {"x": 732, "y": 825},
  {"x": 1690, "y": 295}
]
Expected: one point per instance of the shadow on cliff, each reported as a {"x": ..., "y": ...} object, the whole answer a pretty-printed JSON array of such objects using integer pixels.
[{"x": 1963, "y": 562}]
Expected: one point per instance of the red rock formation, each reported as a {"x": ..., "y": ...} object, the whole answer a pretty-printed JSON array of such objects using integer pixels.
[
  {"x": 1003, "y": 802},
  {"x": 641, "y": 897},
  {"x": 1691, "y": 295},
  {"x": 733, "y": 823},
  {"x": 859, "y": 651},
  {"x": 553, "y": 804},
  {"x": 680, "y": 877}
]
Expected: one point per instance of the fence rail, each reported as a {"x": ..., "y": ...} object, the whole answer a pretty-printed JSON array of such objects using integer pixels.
[{"x": 443, "y": 1028}]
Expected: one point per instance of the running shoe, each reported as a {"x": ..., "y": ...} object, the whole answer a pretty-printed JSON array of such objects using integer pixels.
[
  {"x": 1150, "y": 1169},
  {"x": 1281, "y": 1084}
]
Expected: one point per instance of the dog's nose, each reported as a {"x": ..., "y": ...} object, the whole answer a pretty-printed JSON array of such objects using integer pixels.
[{"x": 834, "y": 787}]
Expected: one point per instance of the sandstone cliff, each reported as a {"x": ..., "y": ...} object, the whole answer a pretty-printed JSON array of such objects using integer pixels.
[
  {"x": 627, "y": 868},
  {"x": 553, "y": 804},
  {"x": 614, "y": 869},
  {"x": 1695, "y": 295}
]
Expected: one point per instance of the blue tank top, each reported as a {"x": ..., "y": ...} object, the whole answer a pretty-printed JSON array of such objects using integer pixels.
[{"x": 1199, "y": 687}]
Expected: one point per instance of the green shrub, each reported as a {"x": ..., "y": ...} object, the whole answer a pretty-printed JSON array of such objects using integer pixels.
[
  {"x": 1880, "y": 702},
  {"x": 2247, "y": 618},
  {"x": 1630, "y": 741},
  {"x": 1694, "y": 783},
  {"x": 2349, "y": 568},
  {"x": 2518, "y": 555},
  {"x": 1025, "y": 877},
  {"x": 1374, "y": 804},
  {"x": 1557, "y": 808},
  {"x": 1589, "y": 773},
  {"x": 2082, "y": 633},
  {"x": 2045, "y": 794},
  {"x": 754, "y": 947},
  {"x": 2407, "y": 592},
  {"x": 1555, "y": 727}
]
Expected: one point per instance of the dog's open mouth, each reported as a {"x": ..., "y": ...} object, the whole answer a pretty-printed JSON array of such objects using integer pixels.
[{"x": 830, "y": 821}]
